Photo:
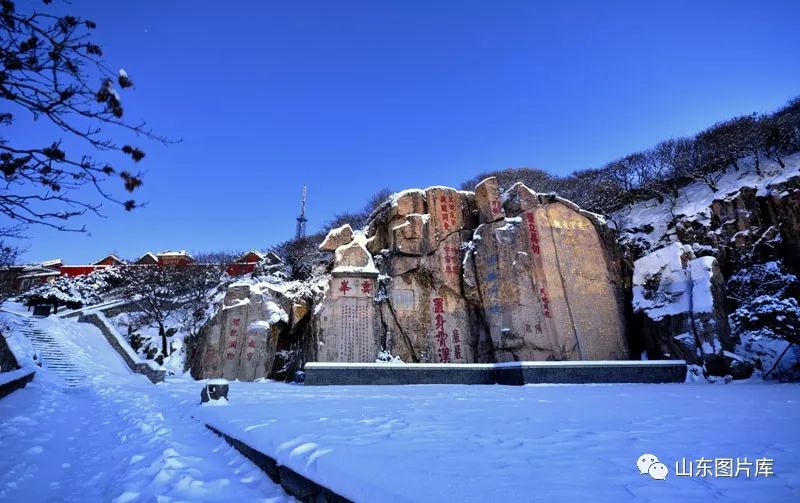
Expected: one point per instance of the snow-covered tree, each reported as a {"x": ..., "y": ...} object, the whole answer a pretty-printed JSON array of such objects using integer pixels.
[{"x": 156, "y": 293}]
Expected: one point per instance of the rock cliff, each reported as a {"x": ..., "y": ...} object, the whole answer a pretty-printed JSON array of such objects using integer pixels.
[
  {"x": 442, "y": 275},
  {"x": 455, "y": 276}
]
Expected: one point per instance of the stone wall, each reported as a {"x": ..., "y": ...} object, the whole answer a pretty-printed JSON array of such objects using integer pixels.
[
  {"x": 7, "y": 360},
  {"x": 146, "y": 368}
]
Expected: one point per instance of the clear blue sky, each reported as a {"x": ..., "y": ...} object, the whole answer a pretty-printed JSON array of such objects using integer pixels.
[{"x": 351, "y": 96}]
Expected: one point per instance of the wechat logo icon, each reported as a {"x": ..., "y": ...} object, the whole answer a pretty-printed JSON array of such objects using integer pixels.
[{"x": 648, "y": 464}]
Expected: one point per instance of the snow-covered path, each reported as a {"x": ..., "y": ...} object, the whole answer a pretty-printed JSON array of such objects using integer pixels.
[{"x": 117, "y": 437}]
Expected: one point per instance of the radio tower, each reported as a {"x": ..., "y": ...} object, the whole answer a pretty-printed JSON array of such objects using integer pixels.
[{"x": 301, "y": 220}]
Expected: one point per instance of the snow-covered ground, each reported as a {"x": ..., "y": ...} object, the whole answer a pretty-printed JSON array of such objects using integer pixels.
[
  {"x": 121, "y": 438},
  {"x": 116, "y": 438},
  {"x": 531, "y": 443}
]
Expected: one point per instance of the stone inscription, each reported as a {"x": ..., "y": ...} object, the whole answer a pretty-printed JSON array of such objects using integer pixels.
[
  {"x": 354, "y": 324},
  {"x": 447, "y": 211},
  {"x": 232, "y": 342},
  {"x": 441, "y": 332},
  {"x": 403, "y": 300},
  {"x": 595, "y": 314},
  {"x": 353, "y": 287},
  {"x": 451, "y": 259}
]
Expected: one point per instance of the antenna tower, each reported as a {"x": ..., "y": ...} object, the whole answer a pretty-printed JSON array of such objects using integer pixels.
[{"x": 301, "y": 220}]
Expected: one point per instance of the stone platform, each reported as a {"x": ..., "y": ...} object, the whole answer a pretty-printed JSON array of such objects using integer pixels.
[{"x": 513, "y": 373}]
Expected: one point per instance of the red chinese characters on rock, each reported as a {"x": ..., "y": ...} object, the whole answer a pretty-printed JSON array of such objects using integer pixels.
[
  {"x": 533, "y": 234},
  {"x": 496, "y": 207},
  {"x": 457, "y": 344},
  {"x": 448, "y": 211},
  {"x": 355, "y": 287},
  {"x": 441, "y": 334},
  {"x": 233, "y": 340},
  {"x": 545, "y": 303},
  {"x": 451, "y": 260},
  {"x": 251, "y": 348}
]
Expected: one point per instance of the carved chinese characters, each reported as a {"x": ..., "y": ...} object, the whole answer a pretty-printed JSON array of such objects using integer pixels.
[
  {"x": 468, "y": 277},
  {"x": 241, "y": 339},
  {"x": 347, "y": 324}
]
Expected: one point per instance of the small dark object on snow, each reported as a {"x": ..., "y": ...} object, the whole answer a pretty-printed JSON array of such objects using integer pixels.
[
  {"x": 41, "y": 310},
  {"x": 214, "y": 390}
]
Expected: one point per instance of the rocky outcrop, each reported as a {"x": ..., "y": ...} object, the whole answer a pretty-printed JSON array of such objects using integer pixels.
[
  {"x": 241, "y": 339},
  {"x": 337, "y": 237},
  {"x": 680, "y": 304},
  {"x": 547, "y": 289},
  {"x": 751, "y": 225},
  {"x": 456, "y": 276}
]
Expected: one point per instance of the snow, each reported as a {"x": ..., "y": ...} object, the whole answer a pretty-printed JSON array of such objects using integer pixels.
[
  {"x": 346, "y": 269},
  {"x": 397, "y": 195},
  {"x": 13, "y": 375},
  {"x": 701, "y": 271},
  {"x": 115, "y": 438},
  {"x": 181, "y": 253},
  {"x": 693, "y": 201},
  {"x": 150, "y": 255},
  {"x": 675, "y": 294},
  {"x": 17, "y": 308},
  {"x": 87, "y": 289},
  {"x": 123, "y": 343},
  {"x": 386, "y": 357},
  {"x": 506, "y": 443},
  {"x": 510, "y": 224},
  {"x": 238, "y": 303},
  {"x": 120, "y": 438}
]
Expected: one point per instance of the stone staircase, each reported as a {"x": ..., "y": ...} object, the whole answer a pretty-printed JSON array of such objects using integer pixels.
[{"x": 50, "y": 354}]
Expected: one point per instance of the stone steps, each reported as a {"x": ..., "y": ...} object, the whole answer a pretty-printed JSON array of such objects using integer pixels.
[{"x": 51, "y": 355}]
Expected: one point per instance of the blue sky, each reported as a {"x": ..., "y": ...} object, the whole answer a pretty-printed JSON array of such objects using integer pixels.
[{"x": 348, "y": 97}]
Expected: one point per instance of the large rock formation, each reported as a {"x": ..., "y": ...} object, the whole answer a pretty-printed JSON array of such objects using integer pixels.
[
  {"x": 240, "y": 340},
  {"x": 753, "y": 225},
  {"x": 474, "y": 277},
  {"x": 680, "y": 302},
  {"x": 345, "y": 324}
]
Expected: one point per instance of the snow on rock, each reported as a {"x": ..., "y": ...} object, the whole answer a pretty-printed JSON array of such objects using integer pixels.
[
  {"x": 241, "y": 339},
  {"x": 354, "y": 258},
  {"x": 337, "y": 237},
  {"x": 651, "y": 224},
  {"x": 450, "y": 268},
  {"x": 680, "y": 301},
  {"x": 661, "y": 283},
  {"x": 701, "y": 270}
]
